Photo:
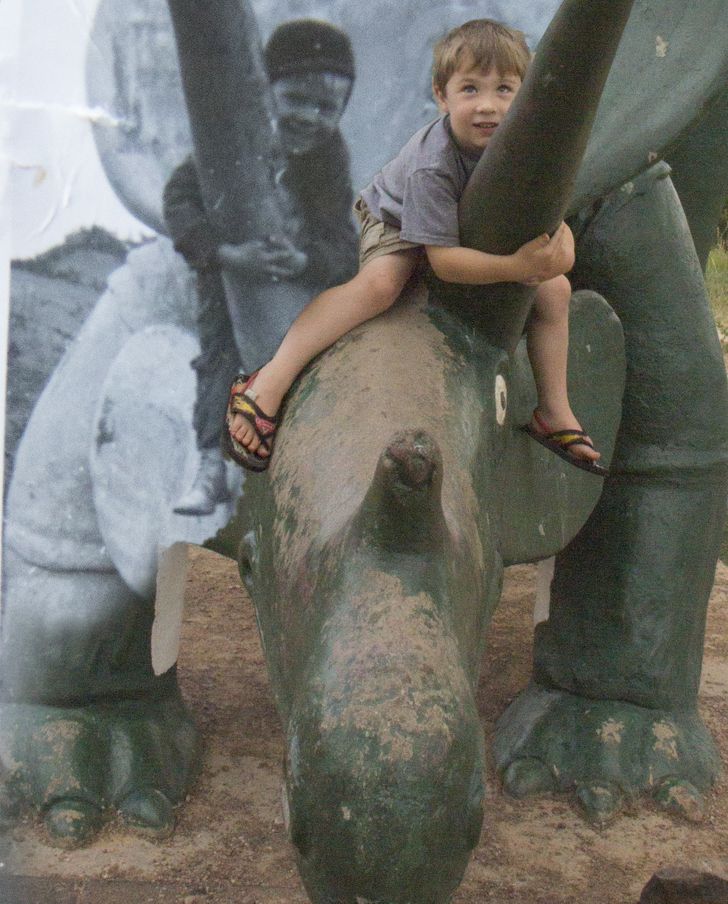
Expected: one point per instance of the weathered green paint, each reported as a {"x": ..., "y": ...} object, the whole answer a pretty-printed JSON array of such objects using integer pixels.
[
  {"x": 373, "y": 603},
  {"x": 656, "y": 86},
  {"x": 76, "y": 764},
  {"x": 537, "y": 508},
  {"x": 606, "y": 751},
  {"x": 630, "y": 593},
  {"x": 376, "y": 712}
]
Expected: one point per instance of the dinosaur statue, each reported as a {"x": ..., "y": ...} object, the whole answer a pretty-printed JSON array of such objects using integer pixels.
[{"x": 374, "y": 577}]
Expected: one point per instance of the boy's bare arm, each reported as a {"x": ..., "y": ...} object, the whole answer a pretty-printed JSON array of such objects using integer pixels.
[{"x": 535, "y": 262}]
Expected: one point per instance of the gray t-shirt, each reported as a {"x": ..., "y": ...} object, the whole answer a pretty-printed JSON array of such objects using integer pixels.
[{"x": 419, "y": 190}]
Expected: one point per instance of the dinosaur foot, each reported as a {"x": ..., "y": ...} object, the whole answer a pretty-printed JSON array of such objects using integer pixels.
[
  {"x": 606, "y": 752},
  {"x": 80, "y": 766}
]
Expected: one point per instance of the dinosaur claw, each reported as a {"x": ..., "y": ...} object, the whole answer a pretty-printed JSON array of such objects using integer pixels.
[
  {"x": 72, "y": 823},
  {"x": 528, "y": 776},
  {"x": 680, "y": 798},
  {"x": 148, "y": 812},
  {"x": 600, "y": 802}
]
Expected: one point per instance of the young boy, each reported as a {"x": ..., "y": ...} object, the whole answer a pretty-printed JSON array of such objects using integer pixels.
[
  {"x": 412, "y": 204},
  {"x": 311, "y": 68}
]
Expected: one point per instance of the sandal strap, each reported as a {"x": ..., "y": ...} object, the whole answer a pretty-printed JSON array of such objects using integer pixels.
[
  {"x": 565, "y": 438},
  {"x": 242, "y": 456},
  {"x": 543, "y": 426},
  {"x": 242, "y": 401},
  {"x": 243, "y": 404},
  {"x": 568, "y": 438},
  {"x": 263, "y": 426}
]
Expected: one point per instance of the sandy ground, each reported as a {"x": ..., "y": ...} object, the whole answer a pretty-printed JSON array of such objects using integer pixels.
[{"x": 231, "y": 848}]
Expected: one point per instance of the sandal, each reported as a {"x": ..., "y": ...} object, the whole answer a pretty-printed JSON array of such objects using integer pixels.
[
  {"x": 560, "y": 441},
  {"x": 242, "y": 401}
]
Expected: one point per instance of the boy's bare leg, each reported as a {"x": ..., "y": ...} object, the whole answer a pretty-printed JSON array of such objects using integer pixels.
[
  {"x": 329, "y": 316},
  {"x": 548, "y": 346}
]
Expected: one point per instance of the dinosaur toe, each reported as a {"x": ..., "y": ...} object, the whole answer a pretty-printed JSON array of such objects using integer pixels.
[
  {"x": 600, "y": 802},
  {"x": 148, "y": 812},
  {"x": 680, "y": 798},
  {"x": 72, "y": 823},
  {"x": 527, "y": 776}
]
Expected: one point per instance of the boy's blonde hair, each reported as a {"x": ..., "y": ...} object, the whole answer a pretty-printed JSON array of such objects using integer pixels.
[{"x": 484, "y": 44}]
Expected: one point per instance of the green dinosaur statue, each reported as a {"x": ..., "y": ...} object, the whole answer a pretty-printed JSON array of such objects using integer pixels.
[{"x": 400, "y": 487}]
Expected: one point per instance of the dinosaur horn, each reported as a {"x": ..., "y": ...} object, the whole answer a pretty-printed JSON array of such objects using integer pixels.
[
  {"x": 402, "y": 508},
  {"x": 229, "y": 103},
  {"x": 522, "y": 184}
]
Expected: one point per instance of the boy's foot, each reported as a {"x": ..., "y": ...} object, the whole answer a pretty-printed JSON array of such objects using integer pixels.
[
  {"x": 572, "y": 444},
  {"x": 208, "y": 488},
  {"x": 249, "y": 431}
]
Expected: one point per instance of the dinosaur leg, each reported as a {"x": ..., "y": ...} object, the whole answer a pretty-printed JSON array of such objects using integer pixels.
[
  {"x": 86, "y": 728},
  {"x": 612, "y": 711}
]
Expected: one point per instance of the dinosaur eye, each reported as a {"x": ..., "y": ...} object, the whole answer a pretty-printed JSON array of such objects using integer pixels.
[{"x": 501, "y": 399}]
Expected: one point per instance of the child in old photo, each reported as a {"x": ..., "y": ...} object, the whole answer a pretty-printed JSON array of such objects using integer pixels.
[{"x": 311, "y": 68}]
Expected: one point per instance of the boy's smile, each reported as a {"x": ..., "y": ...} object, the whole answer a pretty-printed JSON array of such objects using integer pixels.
[
  {"x": 309, "y": 106},
  {"x": 477, "y": 102}
]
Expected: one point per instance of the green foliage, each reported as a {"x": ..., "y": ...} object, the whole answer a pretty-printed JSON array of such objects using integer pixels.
[
  {"x": 723, "y": 228},
  {"x": 716, "y": 277}
]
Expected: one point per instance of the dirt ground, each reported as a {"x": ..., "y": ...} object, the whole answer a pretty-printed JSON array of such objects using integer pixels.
[{"x": 230, "y": 846}]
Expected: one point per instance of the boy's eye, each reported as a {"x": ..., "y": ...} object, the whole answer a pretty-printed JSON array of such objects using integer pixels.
[
  {"x": 469, "y": 89},
  {"x": 505, "y": 89}
]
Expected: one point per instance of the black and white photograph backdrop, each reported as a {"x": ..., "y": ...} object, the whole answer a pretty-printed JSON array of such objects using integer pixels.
[{"x": 100, "y": 439}]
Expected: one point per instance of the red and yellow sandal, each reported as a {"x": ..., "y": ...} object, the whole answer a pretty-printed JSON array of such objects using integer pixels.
[
  {"x": 242, "y": 401},
  {"x": 560, "y": 441}
]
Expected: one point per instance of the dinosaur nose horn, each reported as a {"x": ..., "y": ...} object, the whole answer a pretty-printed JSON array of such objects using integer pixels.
[
  {"x": 411, "y": 459},
  {"x": 402, "y": 508}
]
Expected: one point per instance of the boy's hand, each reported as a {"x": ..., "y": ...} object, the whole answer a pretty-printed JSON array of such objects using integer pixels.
[
  {"x": 545, "y": 258},
  {"x": 276, "y": 258}
]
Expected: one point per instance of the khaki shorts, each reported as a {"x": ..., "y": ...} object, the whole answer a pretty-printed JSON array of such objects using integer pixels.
[{"x": 377, "y": 238}]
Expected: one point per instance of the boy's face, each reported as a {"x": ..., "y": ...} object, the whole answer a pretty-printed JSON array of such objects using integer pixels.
[
  {"x": 309, "y": 106},
  {"x": 477, "y": 102}
]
